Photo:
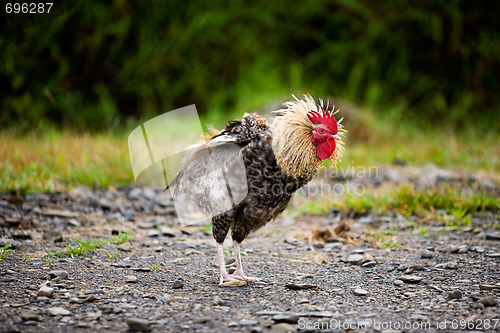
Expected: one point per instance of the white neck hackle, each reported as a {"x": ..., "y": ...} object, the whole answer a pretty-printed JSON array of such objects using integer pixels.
[{"x": 292, "y": 146}]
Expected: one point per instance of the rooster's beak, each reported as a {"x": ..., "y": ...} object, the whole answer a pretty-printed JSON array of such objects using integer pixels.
[{"x": 336, "y": 137}]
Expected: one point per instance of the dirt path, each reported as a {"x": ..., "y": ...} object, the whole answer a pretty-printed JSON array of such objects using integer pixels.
[{"x": 165, "y": 278}]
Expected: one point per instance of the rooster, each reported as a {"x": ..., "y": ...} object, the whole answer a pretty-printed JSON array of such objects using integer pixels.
[{"x": 278, "y": 160}]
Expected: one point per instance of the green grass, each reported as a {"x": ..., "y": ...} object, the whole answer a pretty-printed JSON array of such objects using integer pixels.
[
  {"x": 112, "y": 255},
  {"x": 207, "y": 227},
  {"x": 58, "y": 159},
  {"x": 451, "y": 205},
  {"x": 381, "y": 239},
  {"x": 311, "y": 207},
  {"x": 120, "y": 238},
  {"x": 473, "y": 148},
  {"x": 5, "y": 251},
  {"x": 81, "y": 246},
  {"x": 410, "y": 202},
  {"x": 45, "y": 161}
]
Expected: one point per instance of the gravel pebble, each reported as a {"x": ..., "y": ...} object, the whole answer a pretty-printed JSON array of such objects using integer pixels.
[
  {"x": 319, "y": 314},
  {"x": 286, "y": 318},
  {"x": 304, "y": 276},
  {"x": 448, "y": 265},
  {"x": 152, "y": 233},
  {"x": 45, "y": 291},
  {"x": 283, "y": 328},
  {"x": 166, "y": 298},
  {"x": 488, "y": 301},
  {"x": 478, "y": 306},
  {"x": 217, "y": 301},
  {"x": 62, "y": 275},
  {"x": 30, "y": 315},
  {"x": 478, "y": 249},
  {"x": 369, "y": 264},
  {"x": 300, "y": 286},
  {"x": 398, "y": 282},
  {"x": 426, "y": 254},
  {"x": 355, "y": 259},
  {"x": 417, "y": 267},
  {"x": 360, "y": 292},
  {"x": 125, "y": 247},
  {"x": 166, "y": 231},
  {"x": 122, "y": 264},
  {"x": 8, "y": 279},
  {"x": 136, "y": 324},
  {"x": 135, "y": 194},
  {"x": 329, "y": 247},
  {"x": 55, "y": 311},
  {"x": 96, "y": 291},
  {"x": 436, "y": 288},
  {"x": 178, "y": 284},
  {"x": 131, "y": 279},
  {"x": 141, "y": 269},
  {"x": 454, "y": 294},
  {"x": 493, "y": 236},
  {"x": 367, "y": 257},
  {"x": 268, "y": 313},
  {"x": 82, "y": 324},
  {"x": 489, "y": 287},
  {"x": 410, "y": 278}
]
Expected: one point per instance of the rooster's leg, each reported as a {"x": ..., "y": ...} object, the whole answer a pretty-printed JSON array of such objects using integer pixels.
[
  {"x": 239, "y": 273},
  {"x": 225, "y": 278}
]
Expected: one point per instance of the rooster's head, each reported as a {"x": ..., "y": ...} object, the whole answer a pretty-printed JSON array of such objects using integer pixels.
[
  {"x": 324, "y": 134},
  {"x": 304, "y": 134}
]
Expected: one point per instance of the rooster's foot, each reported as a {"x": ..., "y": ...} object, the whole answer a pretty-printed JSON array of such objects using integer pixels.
[
  {"x": 230, "y": 281},
  {"x": 242, "y": 277}
]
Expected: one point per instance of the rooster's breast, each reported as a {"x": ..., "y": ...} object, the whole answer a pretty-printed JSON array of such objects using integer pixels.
[{"x": 269, "y": 189}]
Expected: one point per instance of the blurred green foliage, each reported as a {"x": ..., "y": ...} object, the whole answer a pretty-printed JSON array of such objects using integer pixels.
[{"x": 104, "y": 64}]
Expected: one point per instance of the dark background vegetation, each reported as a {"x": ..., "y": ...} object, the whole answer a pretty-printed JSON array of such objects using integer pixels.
[{"x": 107, "y": 63}]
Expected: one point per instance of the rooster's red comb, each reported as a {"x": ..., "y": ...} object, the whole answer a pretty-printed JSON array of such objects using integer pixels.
[{"x": 324, "y": 118}]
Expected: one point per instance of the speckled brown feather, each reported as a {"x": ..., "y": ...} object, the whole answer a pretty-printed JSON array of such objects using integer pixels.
[
  {"x": 278, "y": 162},
  {"x": 269, "y": 189}
]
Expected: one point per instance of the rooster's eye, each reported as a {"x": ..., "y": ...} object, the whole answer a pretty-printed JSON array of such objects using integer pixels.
[{"x": 321, "y": 131}]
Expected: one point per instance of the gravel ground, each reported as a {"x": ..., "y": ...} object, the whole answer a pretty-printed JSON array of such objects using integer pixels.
[{"x": 166, "y": 277}]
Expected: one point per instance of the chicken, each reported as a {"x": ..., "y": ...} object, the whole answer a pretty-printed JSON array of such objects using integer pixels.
[{"x": 272, "y": 163}]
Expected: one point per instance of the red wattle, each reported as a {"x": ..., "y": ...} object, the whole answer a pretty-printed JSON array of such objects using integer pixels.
[{"x": 325, "y": 149}]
